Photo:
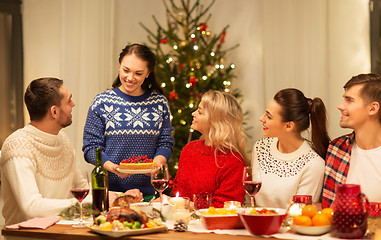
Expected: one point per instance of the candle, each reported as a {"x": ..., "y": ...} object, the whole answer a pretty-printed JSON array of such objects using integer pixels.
[
  {"x": 232, "y": 204},
  {"x": 178, "y": 202},
  {"x": 182, "y": 214}
]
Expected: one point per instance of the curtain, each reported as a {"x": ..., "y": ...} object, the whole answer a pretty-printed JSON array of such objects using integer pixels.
[{"x": 11, "y": 69}]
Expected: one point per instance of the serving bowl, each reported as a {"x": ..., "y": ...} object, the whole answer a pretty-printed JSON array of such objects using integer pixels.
[
  {"x": 211, "y": 222},
  {"x": 311, "y": 230},
  {"x": 145, "y": 207},
  {"x": 262, "y": 224}
]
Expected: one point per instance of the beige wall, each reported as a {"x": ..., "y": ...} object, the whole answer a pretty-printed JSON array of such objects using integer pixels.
[{"x": 314, "y": 45}]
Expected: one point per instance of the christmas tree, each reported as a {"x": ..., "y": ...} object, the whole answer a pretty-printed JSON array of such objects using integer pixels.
[{"x": 190, "y": 61}]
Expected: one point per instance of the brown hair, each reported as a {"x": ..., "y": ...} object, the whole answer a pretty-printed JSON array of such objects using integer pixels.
[
  {"x": 301, "y": 110},
  {"x": 150, "y": 84},
  {"x": 40, "y": 95},
  {"x": 371, "y": 90}
]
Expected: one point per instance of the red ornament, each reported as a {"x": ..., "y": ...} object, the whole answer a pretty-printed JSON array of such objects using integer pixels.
[
  {"x": 222, "y": 39},
  {"x": 163, "y": 40},
  {"x": 173, "y": 95},
  {"x": 202, "y": 27},
  {"x": 198, "y": 96},
  {"x": 192, "y": 81},
  {"x": 181, "y": 66}
]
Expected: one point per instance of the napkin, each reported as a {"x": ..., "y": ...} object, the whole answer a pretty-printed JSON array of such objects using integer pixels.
[{"x": 41, "y": 223}]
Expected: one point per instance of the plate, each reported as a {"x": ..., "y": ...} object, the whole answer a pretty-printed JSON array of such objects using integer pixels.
[
  {"x": 136, "y": 171},
  {"x": 121, "y": 233},
  {"x": 312, "y": 230}
]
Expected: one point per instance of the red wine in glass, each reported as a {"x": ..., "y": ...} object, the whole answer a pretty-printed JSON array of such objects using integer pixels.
[
  {"x": 252, "y": 181},
  {"x": 160, "y": 179},
  {"x": 80, "y": 194},
  {"x": 160, "y": 185},
  {"x": 252, "y": 187}
]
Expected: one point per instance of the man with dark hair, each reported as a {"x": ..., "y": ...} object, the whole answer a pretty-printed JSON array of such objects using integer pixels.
[
  {"x": 37, "y": 163},
  {"x": 356, "y": 158}
]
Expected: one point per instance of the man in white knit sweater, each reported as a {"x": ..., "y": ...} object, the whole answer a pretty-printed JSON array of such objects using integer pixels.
[{"x": 37, "y": 163}]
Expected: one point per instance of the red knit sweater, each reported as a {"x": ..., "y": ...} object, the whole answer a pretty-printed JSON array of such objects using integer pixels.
[{"x": 199, "y": 171}]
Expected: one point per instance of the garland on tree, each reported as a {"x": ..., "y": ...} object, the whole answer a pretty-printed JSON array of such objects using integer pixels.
[{"x": 190, "y": 61}]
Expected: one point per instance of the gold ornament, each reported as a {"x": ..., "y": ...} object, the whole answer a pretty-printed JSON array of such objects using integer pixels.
[
  {"x": 183, "y": 43},
  {"x": 180, "y": 15}
]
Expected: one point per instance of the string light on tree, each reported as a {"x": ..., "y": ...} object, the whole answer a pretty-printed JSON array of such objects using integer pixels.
[{"x": 190, "y": 54}]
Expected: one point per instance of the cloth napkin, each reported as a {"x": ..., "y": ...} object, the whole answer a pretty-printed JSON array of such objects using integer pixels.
[{"x": 41, "y": 223}]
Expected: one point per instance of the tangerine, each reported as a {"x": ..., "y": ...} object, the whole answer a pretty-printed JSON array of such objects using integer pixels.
[
  {"x": 328, "y": 212},
  {"x": 320, "y": 219},
  {"x": 309, "y": 210},
  {"x": 302, "y": 220}
]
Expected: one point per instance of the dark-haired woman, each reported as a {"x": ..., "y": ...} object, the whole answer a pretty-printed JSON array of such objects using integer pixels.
[
  {"x": 131, "y": 119},
  {"x": 289, "y": 163}
]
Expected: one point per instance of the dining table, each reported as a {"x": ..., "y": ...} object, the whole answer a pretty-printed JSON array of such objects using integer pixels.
[{"x": 67, "y": 232}]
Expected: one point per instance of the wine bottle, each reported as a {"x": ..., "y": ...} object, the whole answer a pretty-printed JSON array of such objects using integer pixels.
[{"x": 99, "y": 179}]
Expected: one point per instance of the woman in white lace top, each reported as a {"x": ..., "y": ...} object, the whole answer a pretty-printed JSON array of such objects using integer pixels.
[{"x": 289, "y": 163}]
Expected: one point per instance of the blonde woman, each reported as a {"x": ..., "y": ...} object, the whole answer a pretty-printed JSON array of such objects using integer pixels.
[{"x": 214, "y": 164}]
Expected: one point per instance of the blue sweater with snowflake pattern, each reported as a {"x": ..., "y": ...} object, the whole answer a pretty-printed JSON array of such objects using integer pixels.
[{"x": 125, "y": 126}]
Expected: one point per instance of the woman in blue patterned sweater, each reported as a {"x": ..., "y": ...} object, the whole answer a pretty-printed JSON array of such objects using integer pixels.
[{"x": 131, "y": 119}]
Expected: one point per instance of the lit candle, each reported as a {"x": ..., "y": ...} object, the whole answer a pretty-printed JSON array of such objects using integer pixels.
[
  {"x": 178, "y": 202},
  {"x": 232, "y": 204}
]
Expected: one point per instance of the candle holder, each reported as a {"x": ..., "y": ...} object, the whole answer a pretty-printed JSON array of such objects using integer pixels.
[
  {"x": 232, "y": 204},
  {"x": 182, "y": 214}
]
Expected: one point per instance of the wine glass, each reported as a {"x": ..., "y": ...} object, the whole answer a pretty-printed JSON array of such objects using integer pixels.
[
  {"x": 80, "y": 193},
  {"x": 160, "y": 179},
  {"x": 252, "y": 182}
]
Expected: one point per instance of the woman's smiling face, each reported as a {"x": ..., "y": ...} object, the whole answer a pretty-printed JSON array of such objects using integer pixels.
[
  {"x": 132, "y": 73},
  {"x": 198, "y": 122},
  {"x": 273, "y": 125}
]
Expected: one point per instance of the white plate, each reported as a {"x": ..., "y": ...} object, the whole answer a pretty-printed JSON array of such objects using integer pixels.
[
  {"x": 136, "y": 171},
  {"x": 313, "y": 230},
  {"x": 121, "y": 233}
]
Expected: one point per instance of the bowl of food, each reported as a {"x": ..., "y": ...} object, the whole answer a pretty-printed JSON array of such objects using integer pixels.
[
  {"x": 311, "y": 230},
  {"x": 313, "y": 222},
  {"x": 262, "y": 221},
  {"x": 220, "y": 218}
]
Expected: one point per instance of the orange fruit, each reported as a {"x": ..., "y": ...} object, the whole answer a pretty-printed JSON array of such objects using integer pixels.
[
  {"x": 328, "y": 212},
  {"x": 309, "y": 210},
  {"x": 320, "y": 220},
  {"x": 302, "y": 220}
]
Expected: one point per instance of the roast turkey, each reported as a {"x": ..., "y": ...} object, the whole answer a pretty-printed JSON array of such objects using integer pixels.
[{"x": 126, "y": 214}]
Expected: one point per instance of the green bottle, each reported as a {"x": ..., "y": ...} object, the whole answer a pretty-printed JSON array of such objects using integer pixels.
[{"x": 99, "y": 180}]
